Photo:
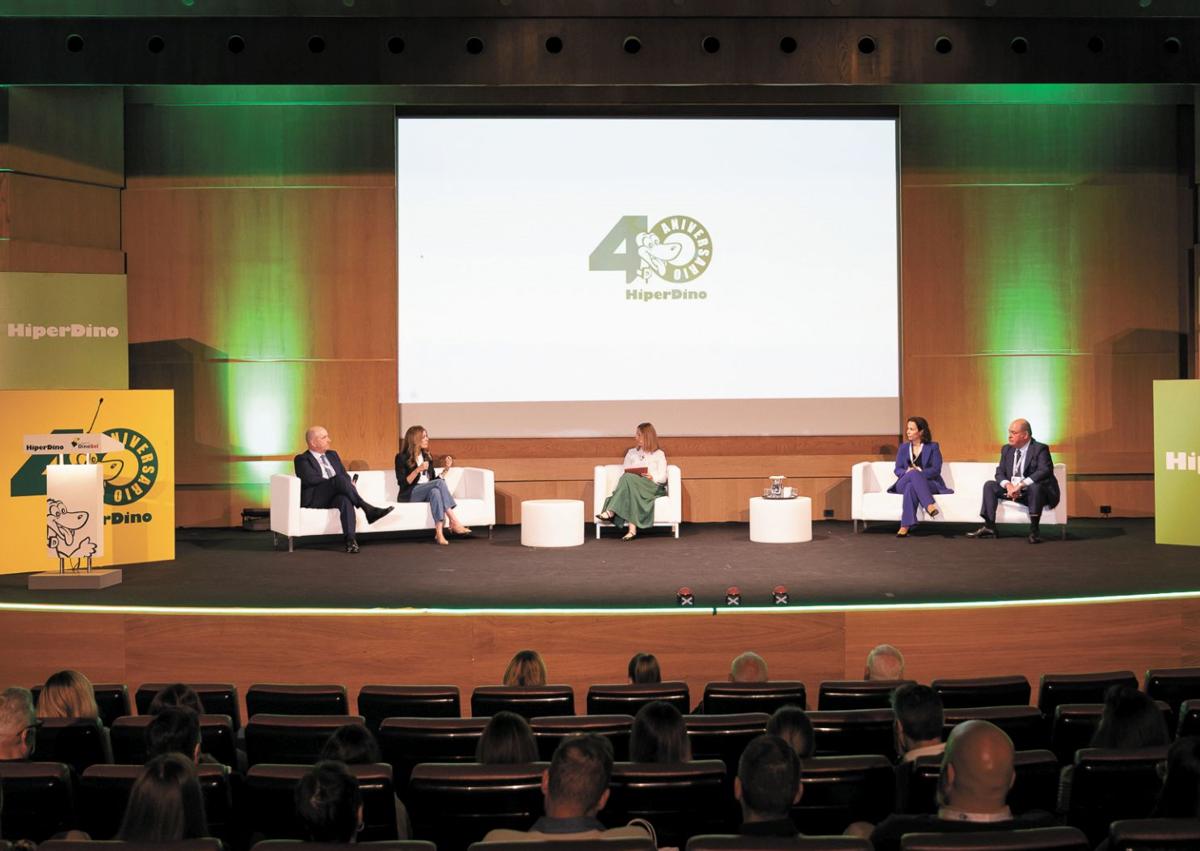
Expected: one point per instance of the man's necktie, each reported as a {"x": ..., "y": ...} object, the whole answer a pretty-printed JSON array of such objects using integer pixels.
[
  {"x": 326, "y": 468},
  {"x": 1017, "y": 466}
]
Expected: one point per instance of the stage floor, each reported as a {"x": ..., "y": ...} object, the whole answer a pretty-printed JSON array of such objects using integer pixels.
[{"x": 233, "y": 568}]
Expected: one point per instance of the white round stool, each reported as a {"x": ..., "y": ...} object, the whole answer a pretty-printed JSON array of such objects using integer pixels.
[
  {"x": 552, "y": 522},
  {"x": 780, "y": 521}
]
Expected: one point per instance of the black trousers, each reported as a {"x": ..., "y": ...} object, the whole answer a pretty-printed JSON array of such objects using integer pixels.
[
  {"x": 1035, "y": 496},
  {"x": 340, "y": 493}
]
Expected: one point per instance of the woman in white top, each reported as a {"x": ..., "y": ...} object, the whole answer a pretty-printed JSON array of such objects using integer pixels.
[{"x": 631, "y": 505}]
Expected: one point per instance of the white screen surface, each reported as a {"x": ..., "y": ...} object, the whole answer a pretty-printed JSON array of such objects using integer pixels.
[{"x": 766, "y": 280}]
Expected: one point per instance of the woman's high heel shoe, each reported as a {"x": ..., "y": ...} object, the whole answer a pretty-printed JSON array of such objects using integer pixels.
[
  {"x": 462, "y": 530},
  {"x": 441, "y": 542},
  {"x": 630, "y": 535},
  {"x": 932, "y": 511},
  {"x": 903, "y": 532},
  {"x": 605, "y": 516}
]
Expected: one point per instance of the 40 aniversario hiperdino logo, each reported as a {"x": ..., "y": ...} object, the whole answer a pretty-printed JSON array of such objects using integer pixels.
[{"x": 677, "y": 251}]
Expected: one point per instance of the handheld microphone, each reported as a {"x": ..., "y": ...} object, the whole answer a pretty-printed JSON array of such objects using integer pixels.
[
  {"x": 95, "y": 415},
  {"x": 354, "y": 478}
]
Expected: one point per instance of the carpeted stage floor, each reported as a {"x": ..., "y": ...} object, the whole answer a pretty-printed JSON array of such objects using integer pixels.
[{"x": 230, "y": 567}]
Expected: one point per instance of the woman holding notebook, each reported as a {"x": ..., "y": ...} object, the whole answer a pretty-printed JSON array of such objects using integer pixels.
[{"x": 631, "y": 505}]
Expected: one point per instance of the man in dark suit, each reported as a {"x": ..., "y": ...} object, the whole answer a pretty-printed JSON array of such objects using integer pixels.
[
  {"x": 1025, "y": 475},
  {"x": 324, "y": 483}
]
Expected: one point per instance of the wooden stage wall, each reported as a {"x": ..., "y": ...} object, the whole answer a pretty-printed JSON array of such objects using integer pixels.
[{"x": 583, "y": 649}]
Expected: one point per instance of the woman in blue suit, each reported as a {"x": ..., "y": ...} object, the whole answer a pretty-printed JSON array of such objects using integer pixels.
[{"x": 918, "y": 473}]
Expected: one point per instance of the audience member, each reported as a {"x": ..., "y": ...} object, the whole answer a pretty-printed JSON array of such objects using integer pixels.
[
  {"x": 165, "y": 803},
  {"x": 884, "y": 662},
  {"x": 977, "y": 773},
  {"x": 329, "y": 803},
  {"x": 176, "y": 694},
  {"x": 18, "y": 725},
  {"x": 1180, "y": 795},
  {"x": 1130, "y": 719},
  {"x": 506, "y": 739},
  {"x": 174, "y": 730},
  {"x": 354, "y": 744},
  {"x": 748, "y": 668},
  {"x": 792, "y": 724},
  {"x": 659, "y": 735},
  {"x": 766, "y": 786},
  {"x": 525, "y": 669},
  {"x": 643, "y": 668},
  {"x": 918, "y": 722},
  {"x": 67, "y": 694},
  {"x": 575, "y": 789}
]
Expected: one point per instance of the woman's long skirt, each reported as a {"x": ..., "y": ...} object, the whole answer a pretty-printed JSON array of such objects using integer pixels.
[{"x": 633, "y": 501}]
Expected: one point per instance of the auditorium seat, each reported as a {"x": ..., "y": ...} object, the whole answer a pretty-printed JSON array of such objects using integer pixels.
[
  {"x": 206, "y": 844},
  {"x": 983, "y": 691},
  {"x": 854, "y": 731},
  {"x": 1078, "y": 688},
  {"x": 217, "y": 739},
  {"x": 680, "y": 800},
  {"x": 294, "y": 845},
  {"x": 1189, "y": 718},
  {"x": 839, "y": 790},
  {"x": 79, "y": 742},
  {"x": 1174, "y": 686},
  {"x": 725, "y": 698},
  {"x": 628, "y": 698},
  {"x": 296, "y": 699},
  {"x": 1075, "y": 724},
  {"x": 526, "y": 701},
  {"x": 597, "y": 844},
  {"x": 103, "y": 792},
  {"x": 39, "y": 800},
  {"x": 406, "y": 742},
  {"x": 1024, "y": 724},
  {"x": 730, "y": 842},
  {"x": 1155, "y": 834},
  {"x": 376, "y": 702},
  {"x": 724, "y": 737},
  {"x": 857, "y": 694},
  {"x": 1110, "y": 785},
  {"x": 1035, "y": 786},
  {"x": 455, "y": 805},
  {"x": 1038, "y": 839},
  {"x": 112, "y": 699},
  {"x": 270, "y": 809},
  {"x": 291, "y": 739},
  {"x": 216, "y": 698},
  {"x": 552, "y": 729}
]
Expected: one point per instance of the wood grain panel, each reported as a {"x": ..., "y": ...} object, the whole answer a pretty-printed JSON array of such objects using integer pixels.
[
  {"x": 61, "y": 212},
  {"x": 92, "y": 643},
  {"x": 73, "y": 133},
  {"x": 24, "y": 256}
]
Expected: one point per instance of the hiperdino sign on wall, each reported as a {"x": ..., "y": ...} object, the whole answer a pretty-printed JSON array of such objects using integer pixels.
[
  {"x": 1176, "y": 469},
  {"x": 63, "y": 330}
]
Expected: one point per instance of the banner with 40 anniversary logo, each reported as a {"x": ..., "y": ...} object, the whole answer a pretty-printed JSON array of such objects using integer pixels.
[{"x": 139, "y": 480}]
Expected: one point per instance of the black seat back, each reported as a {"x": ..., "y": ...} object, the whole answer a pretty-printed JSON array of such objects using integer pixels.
[
  {"x": 680, "y": 800},
  {"x": 1173, "y": 686},
  {"x": 1037, "y": 839},
  {"x": 206, "y": 844},
  {"x": 1024, "y": 724},
  {"x": 1110, "y": 785},
  {"x": 112, "y": 700},
  {"x": 1155, "y": 834},
  {"x": 983, "y": 691},
  {"x": 291, "y": 739},
  {"x": 724, "y": 698},
  {"x": 527, "y": 701},
  {"x": 846, "y": 732},
  {"x": 598, "y": 844},
  {"x": 724, "y": 737},
  {"x": 78, "y": 742},
  {"x": 713, "y": 842},
  {"x": 454, "y": 805},
  {"x": 1079, "y": 688},
  {"x": 1189, "y": 718},
  {"x": 839, "y": 790},
  {"x": 628, "y": 698},
  {"x": 217, "y": 739},
  {"x": 377, "y": 702},
  {"x": 293, "y": 845},
  {"x": 1035, "y": 786},
  {"x": 39, "y": 799},
  {"x": 296, "y": 699},
  {"x": 405, "y": 742},
  {"x": 216, "y": 698},
  {"x": 857, "y": 694},
  {"x": 271, "y": 804},
  {"x": 1075, "y": 724},
  {"x": 104, "y": 793},
  {"x": 548, "y": 732}
]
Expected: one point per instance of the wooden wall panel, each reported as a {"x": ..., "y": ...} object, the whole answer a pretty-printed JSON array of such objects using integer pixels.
[
  {"x": 62, "y": 212},
  {"x": 70, "y": 133}
]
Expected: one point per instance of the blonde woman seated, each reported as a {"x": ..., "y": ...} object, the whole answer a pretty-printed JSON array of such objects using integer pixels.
[
  {"x": 419, "y": 482},
  {"x": 631, "y": 505},
  {"x": 526, "y": 668}
]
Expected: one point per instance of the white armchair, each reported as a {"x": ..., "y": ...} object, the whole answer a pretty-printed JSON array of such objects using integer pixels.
[{"x": 668, "y": 510}]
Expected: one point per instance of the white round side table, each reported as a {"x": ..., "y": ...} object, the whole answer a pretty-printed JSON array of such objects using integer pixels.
[
  {"x": 780, "y": 521},
  {"x": 552, "y": 522}
]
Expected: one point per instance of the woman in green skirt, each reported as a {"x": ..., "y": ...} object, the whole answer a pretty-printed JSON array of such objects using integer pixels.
[{"x": 631, "y": 505}]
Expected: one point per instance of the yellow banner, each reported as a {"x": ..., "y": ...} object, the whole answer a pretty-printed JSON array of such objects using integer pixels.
[{"x": 139, "y": 480}]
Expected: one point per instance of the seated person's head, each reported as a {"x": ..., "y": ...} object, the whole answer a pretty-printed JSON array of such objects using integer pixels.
[
  {"x": 352, "y": 744},
  {"x": 174, "y": 730},
  {"x": 768, "y": 779},
  {"x": 176, "y": 694},
  {"x": 506, "y": 740},
  {"x": 918, "y": 716},
  {"x": 18, "y": 724},
  {"x": 165, "y": 803},
  {"x": 525, "y": 669},
  {"x": 659, "y": 735},
  {"x": 67, "y": 694},
  {"x": 748, "y": 668},
  {"x": 884, "y": 662},
  {"x": 576, "y": 784},
  {"x": 643, "y": 668},
  {"x": 791, "y": 723},
  {"x": 977, "y": 768},
  {"x": 1180, "y": 795},
  {"x": 1130, "y": 719},
  {"x": 329, "y": 803}
]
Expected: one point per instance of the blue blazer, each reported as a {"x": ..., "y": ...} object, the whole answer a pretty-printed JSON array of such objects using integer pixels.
[{"x": 930, "y": 463}]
